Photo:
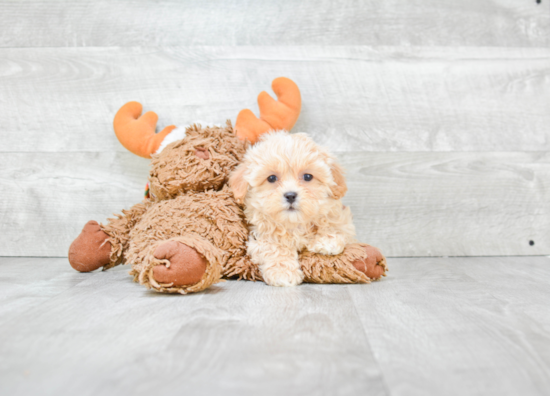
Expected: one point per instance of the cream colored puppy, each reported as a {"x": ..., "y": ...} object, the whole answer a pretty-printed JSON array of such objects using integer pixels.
[{"x": 291, "y": 189}]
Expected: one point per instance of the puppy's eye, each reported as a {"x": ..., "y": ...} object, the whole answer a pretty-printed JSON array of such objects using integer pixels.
[
  {"x": 272, "y": 179},
  {"x": 308, "y": 177}
]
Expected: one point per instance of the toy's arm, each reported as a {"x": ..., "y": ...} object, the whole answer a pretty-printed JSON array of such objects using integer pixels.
[
  {"x": 274, "y": 114},
  {"x": 104, "y": 245}
]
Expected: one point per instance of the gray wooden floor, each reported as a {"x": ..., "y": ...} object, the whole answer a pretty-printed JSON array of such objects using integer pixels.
[{"x": 439, "y": 326}]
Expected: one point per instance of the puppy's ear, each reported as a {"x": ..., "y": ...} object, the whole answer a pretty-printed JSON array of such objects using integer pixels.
[
  {"x": 340, "y": 188},
  {"x": 237, "y": 183}
]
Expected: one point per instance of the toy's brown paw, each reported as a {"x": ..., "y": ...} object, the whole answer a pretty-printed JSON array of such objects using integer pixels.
[
  {"x": 91, "y": 249},
  {"x": 187, "y": 266},
  {"x": 373, "y": 265}
]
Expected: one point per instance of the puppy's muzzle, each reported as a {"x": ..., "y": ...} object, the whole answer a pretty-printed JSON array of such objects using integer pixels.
[{"x": 290, "y": 197}]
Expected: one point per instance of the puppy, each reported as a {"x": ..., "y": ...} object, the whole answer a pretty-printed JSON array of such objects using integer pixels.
[{"x": 291, "y": 189}]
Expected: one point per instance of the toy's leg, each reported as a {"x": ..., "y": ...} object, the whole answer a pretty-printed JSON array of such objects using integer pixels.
[
  {"x": 91, "y": 249},
  {"x": 358, "y": 263},
  {"x": 186, "y": 266},
  {"x": 119, "y": 229},
  {"x": 183, "y": 265},
  {"x": 103, "y": 245},
  {"x": 373, "y": 265}
]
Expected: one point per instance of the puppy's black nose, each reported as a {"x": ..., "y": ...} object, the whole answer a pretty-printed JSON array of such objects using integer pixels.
[{"x": 291, "y": 196}]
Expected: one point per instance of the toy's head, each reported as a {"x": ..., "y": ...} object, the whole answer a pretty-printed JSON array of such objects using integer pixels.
[{"x": 201, "y": 161}]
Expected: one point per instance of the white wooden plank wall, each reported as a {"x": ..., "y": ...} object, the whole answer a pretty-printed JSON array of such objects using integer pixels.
[
  {"x": 104, "y": 23},
  {"x": 439, "y": 109}
]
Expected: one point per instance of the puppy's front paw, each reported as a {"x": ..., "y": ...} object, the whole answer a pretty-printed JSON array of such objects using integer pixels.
[
  {"x": 328, "y": 245},
  {"x": 282, "y": 276}
]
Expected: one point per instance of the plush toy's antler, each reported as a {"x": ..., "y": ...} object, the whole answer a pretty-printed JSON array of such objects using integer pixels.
[
  {"x": 274, "y": 114},
  {"x": 137, "y": 133}
]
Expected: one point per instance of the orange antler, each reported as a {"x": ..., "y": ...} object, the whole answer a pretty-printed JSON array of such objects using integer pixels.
[
  {"x": 274, "y": 114},
  {"x": 137, "y": 133}
]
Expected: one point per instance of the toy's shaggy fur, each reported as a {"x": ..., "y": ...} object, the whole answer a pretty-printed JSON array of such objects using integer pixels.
[
  {"x": 177, "y": 169},
  {"x": 213, "y": 224},
  {"x": 190, "y": 204},
  {"x": 320, "y": 268}
]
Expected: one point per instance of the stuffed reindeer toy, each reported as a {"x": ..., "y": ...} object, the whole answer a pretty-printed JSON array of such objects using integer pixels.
[{"x": 190, "y": 232}]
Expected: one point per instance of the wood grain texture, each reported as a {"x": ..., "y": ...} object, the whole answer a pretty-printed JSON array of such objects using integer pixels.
[
  {"x": 456, "y": 326},
  {"x": 460, "y": 326},
  {"x": 55, "y": 23},
  {"x": 407, "y": 204},
  {"x": 354, "y": 98},
  {"x": 29, "y": 282},
  {"x": 52, "y": 196},
  {"x": 108, "y": 335},
  {"x": 451, "y": 204},
  {"x": 522, "y": 286}
]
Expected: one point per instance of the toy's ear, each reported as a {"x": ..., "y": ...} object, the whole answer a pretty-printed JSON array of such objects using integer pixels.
[
  {"x": 340, "y": 188},
  {"x": 280, "y": 114},
  {"x": 237, "y": 182}
]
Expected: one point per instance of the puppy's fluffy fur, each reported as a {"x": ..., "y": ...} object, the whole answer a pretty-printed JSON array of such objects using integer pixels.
[{"x": 281, "y": 227}]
